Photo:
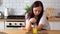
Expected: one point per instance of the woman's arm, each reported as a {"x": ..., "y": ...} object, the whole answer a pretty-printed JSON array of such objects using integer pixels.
[
  {"x": 29, "y": 22},
  {"x": 40, "y": 26},
  {"x": 42, "y": 22},
  {"x": 28, "y": 26}
]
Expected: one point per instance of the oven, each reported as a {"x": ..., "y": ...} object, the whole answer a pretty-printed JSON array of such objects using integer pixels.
[
  {"x": 14, "y": 25},
  {"x": 14, "y": 22}
]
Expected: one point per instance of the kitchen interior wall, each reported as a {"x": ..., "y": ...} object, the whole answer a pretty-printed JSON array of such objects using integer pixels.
[
  {"x": 52, "y": 4},
  {"x": 19, "y": 5}
]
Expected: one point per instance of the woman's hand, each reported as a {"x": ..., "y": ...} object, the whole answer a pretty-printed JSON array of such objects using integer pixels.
[
  {"x": 23, "y": 28},
  {"x": 33, "y": 20}
]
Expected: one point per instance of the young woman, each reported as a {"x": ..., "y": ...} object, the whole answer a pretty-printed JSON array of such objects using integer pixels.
[{"x": 38, "y": 16}]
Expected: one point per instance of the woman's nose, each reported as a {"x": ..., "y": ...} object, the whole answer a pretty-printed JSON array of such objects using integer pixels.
[{"x": 37, "y": 12}]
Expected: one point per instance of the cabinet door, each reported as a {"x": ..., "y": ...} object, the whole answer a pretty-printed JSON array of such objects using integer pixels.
[
  {"x": 54, "y": 25},
  {"x": 1, "y": 25}
]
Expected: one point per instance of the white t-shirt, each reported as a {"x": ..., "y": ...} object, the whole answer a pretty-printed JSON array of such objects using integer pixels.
[{"x": 42, "y": 21}]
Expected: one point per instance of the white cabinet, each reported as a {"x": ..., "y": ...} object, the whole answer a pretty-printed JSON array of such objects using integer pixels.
[
  {"x": 54, "y": 25},
  {"x": 1, "y": 25}
]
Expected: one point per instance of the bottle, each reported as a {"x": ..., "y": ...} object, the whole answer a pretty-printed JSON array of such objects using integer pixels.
[
  {"x": 6, "y": 13},
  {"x": 34, "y": 28}
]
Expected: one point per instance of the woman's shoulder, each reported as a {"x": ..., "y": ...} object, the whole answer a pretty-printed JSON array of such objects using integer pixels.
[
  {"x": 44, "y": 17},
  {"x": 26, "y": 15},
  {"x": 44, "y": 14}
]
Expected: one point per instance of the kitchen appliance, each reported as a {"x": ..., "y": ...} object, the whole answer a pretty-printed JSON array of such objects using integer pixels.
[
  {"x": 14, "y": 25},
  {"x": 1, "y": 15},
  {"x": 8, "y": 11},
  {"x": 15, "y": 17}
]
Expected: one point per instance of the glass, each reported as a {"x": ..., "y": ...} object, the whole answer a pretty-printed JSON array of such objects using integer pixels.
[{"x": 34, "y": 29}]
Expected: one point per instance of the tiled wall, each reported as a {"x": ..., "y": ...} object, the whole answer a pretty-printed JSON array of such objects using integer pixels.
[{"x": 19, "y": 5}]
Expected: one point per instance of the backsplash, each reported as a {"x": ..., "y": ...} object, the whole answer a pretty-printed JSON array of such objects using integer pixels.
[
  {"x": 18, "y": 6},
  {"x": 56, "y": 12},
  {"x": 50, "y": 11}
]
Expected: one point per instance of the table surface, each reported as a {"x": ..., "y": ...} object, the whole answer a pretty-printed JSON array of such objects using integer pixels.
[{"x": 25, "y": 32}]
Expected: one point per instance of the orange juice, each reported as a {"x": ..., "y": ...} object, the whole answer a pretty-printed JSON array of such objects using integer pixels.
[{"x": 34, "y": 29}]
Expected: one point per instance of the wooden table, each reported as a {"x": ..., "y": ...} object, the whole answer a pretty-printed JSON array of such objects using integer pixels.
[{"x": 24, "y": 32}]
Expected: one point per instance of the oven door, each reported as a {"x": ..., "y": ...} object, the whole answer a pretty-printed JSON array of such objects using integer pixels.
[{"x": 14, "y": 25}]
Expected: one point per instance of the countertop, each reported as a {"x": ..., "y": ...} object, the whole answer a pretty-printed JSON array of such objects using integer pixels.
[
  {"x": 54, "y": 19},
  {"x": 13, "y": 20},
  {"x": 25, "y": 32},
  {"x": 22, "y": 20}
]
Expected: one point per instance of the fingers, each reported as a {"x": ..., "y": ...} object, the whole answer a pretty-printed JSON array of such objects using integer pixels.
[
  {"x": 23, "y": 28},
  {"x": 33, "y": 20}
]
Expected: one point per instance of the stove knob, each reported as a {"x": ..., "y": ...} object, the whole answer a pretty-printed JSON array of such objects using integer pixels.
[
  {"x": 20, "y": 24},
  {"x": 10, "y": 23},
  {"x": 15, "y": 23}
]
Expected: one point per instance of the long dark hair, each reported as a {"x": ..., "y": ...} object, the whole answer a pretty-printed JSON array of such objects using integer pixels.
[{"x": 31, "y": 14}]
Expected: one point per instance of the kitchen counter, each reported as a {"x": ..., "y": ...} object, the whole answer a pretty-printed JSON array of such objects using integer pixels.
[
  {"x": 25, "y": 32},
  {"x": 54, "y": 19},
  {"x": 22, "y": 20},
  {"x": 13, "y": 20},
  {"x": 2, "y": 20}
]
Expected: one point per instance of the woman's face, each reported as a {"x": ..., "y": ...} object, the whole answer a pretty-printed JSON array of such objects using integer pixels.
[{"x": 37, "y": 10}]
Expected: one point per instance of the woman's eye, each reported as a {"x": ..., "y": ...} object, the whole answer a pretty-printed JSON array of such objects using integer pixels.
[{"x": 35, "y": 10}]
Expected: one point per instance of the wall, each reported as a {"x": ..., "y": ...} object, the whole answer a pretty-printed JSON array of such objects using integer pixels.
[{"x": 19, "y": 5}]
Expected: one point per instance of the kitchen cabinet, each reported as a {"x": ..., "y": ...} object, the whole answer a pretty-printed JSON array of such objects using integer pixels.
[
  {"x": 1, "y": 25},
  {"x": 54, "y": 25}
]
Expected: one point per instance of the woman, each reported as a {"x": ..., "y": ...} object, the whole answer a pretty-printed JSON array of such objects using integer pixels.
[{"x": 36, "y": 15}]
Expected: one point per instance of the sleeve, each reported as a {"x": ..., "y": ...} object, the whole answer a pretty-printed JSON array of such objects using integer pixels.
[
  {"x": 26, "y": 20},
  {"x": 43, "y": 19}
]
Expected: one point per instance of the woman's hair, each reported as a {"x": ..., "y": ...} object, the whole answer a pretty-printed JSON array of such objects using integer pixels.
[{"x": 31, "y": 14}]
